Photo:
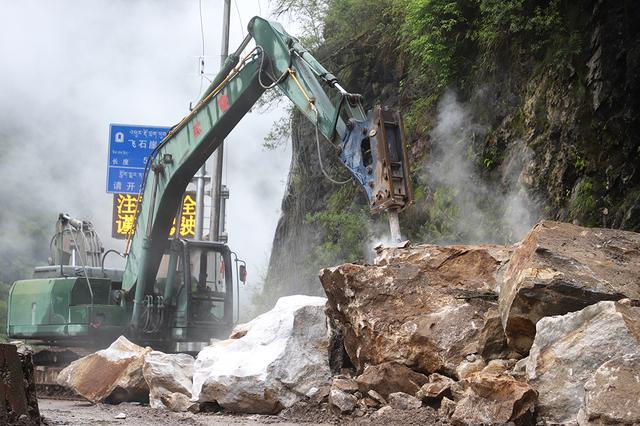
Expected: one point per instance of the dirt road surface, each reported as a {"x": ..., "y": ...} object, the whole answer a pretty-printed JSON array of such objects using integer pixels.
[{"x": 79, "y": 413}]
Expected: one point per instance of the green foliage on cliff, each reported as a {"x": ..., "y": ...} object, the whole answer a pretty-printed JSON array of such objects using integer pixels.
[
  {"x": 437, "y": 31},
  {"x": 446, "y": 39},
  {"x": 345, "y": 230},
  {"x": 442, "y": 212},
  {"x": 583, "y": 204},
  {"x": 520, "y": 26}
]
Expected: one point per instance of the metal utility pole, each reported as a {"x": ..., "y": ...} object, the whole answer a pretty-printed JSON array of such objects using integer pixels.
[
  {"x": 218, "y": 155},
  {"x": 200, "y": 182}
]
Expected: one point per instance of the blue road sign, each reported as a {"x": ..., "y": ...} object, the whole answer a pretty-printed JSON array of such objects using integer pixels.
[{"x": 129, "y": 149}]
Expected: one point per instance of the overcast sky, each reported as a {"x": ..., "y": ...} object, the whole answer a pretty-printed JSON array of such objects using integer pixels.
[{"x": 69, "y": 68}]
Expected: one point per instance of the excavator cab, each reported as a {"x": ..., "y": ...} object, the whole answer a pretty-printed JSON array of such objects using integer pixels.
[{"x": 193, "y": 294}]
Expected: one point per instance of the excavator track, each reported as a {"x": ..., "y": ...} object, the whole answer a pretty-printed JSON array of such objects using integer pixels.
[{"x": 48, "y": 362}]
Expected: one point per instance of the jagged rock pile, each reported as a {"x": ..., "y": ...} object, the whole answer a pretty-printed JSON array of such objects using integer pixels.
[{"x": 489, "y": 334}]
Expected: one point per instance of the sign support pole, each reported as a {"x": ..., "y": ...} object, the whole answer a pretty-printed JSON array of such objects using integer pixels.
[
  {"x": 200, "y": 181},
  {"x": 218, "y": 157}
]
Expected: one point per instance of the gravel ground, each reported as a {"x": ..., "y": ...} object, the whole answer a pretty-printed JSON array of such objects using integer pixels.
[
  {"x": 67, "y": 412},
  {"x": 79, "y": 413}
]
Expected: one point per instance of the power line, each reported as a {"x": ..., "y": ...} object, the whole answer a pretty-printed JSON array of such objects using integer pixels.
[
  {"x": 240, "y": 17},
  {"x": 201, "y": 25},
  {"x": 201, "y": 57}
]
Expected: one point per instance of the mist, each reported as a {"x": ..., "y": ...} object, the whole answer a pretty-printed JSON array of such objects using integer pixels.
[
  {"x": 71, "y": 68},
  {"x": 483, "y": 213}
]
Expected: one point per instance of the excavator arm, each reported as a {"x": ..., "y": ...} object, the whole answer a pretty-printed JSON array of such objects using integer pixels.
[{"x": 371, "y": 145}]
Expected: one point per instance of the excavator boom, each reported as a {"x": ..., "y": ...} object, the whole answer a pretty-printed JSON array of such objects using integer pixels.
[{"x": 371, "y": 146}]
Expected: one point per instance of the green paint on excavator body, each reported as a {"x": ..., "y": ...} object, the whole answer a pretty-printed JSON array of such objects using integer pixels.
[{"x": 59, "y": 308}]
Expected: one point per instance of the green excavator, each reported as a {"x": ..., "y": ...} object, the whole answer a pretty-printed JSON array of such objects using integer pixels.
[{"x": 172, "y": 295}]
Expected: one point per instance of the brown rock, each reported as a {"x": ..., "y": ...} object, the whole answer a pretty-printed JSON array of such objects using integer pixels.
[
  {"x": 499, "y": 366},
  {"x": 495, "y": 399},
  {"x": 338, "y": 357},
  {"x": 403, "y": 401},
  {"x": 423, "y": 307},
  {"x": 179, "y": 402},
  {"x": 436, "y": 388},
  {"x": 239, "y": 331},
  {"x": 613, "y": 393},
  {"x": 472, "y": 364},
  {"x": 492, "y": 341},
  {"x": 370, "y": 402},
  {"x": 345, "y": 384},
  {"x": 342, "y": 402},
  {"x": 390, "y": 377},
  {"x": 457, "y": 391},
  {"x": 359, "y": 412},
  {"x": 383, "y": 411},
  {"x": 379, "y": 398},
  {"x": 560, "y": 268},
  {"x": 447, "y": 407},
  {"x": 113, "y": 372}
]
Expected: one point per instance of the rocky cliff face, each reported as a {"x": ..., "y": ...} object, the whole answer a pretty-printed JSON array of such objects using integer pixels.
[
  {"x": 290, "y": 265},
  {"x": 519, "y": 138},
  {"x": 578, "y": 116}
]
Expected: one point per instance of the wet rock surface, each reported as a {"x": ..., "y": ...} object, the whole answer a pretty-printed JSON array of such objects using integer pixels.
[{"x": 560, "y": 268}]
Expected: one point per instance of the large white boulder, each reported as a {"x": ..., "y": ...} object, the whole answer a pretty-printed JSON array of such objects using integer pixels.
[
  {"x": 569, "y": 349},
  {"x": 270, "y": 362},
  {"x": 167, "y": 374}
]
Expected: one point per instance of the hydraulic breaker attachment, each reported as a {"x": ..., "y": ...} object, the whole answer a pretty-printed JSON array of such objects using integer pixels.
[{"x": 375, "y": 152}]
